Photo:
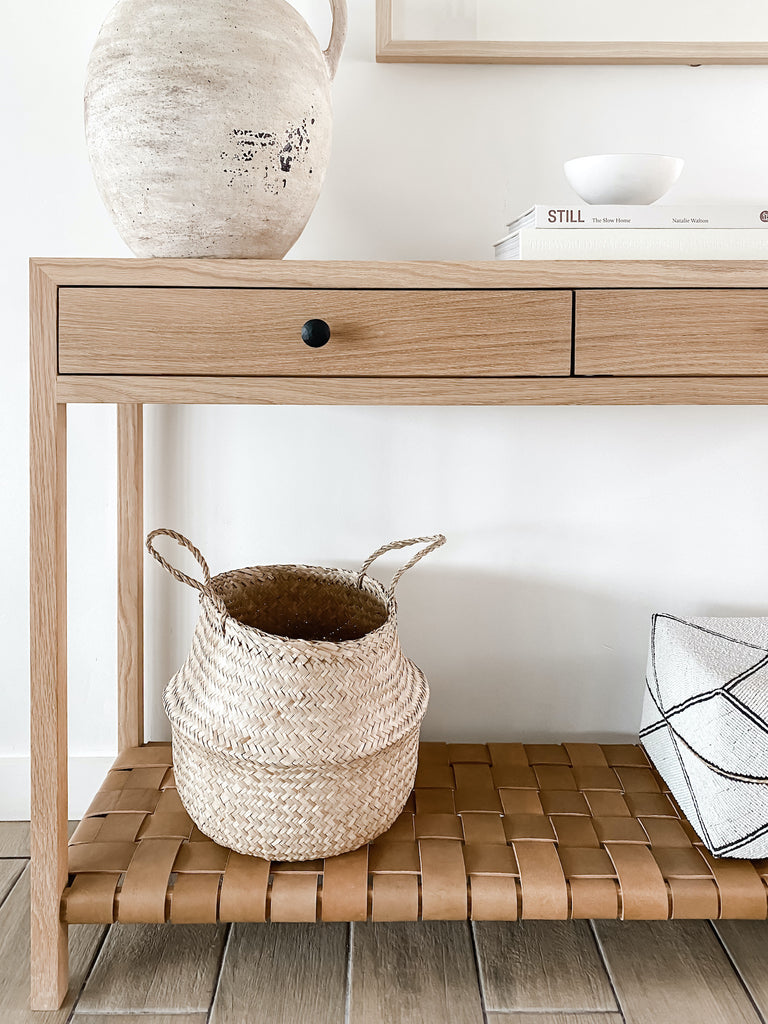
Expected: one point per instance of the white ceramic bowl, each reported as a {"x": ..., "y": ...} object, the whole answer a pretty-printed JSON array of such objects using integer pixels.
[{"x": 634, "y": 179}]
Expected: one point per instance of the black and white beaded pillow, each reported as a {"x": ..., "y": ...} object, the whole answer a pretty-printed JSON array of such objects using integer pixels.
[{"x": 705, "y": 726}]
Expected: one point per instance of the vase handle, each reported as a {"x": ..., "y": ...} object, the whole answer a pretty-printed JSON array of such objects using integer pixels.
[{"x": 338, "y": 36}]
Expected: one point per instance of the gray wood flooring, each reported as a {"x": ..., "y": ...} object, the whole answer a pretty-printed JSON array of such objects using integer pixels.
[{"x": 601, "y": 972}]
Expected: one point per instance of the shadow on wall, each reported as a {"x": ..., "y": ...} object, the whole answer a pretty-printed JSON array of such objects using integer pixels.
[
  {"x": 517, "y": 657},
  {"x": 507, "y": 657},
  {"x": 514, "y": 657}
]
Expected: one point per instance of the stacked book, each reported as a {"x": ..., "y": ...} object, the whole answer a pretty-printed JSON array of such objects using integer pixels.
[{"x": 637, "y": 233}]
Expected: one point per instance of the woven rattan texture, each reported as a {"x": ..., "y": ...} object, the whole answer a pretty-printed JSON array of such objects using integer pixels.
[{"x": 491, "y": 832}]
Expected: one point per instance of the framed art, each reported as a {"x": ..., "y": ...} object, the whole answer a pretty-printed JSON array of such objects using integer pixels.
[{"x": 563, "y": 32}]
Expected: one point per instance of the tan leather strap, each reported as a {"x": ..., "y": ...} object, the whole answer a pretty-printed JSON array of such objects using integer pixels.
[{"x": 545, "y": 857}]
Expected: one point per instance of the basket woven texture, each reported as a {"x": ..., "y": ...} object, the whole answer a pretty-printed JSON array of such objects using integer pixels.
[{"x": 295, "y": 717}]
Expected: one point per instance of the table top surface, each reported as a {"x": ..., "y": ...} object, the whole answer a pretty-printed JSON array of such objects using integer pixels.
[{"x": 406, "y": 274}]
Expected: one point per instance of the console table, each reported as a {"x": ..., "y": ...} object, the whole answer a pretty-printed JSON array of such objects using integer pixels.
[{"x": 493, "y": 831}]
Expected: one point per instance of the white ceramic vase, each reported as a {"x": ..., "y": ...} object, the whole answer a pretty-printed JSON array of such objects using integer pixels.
[{"x": 208, "y": 123}]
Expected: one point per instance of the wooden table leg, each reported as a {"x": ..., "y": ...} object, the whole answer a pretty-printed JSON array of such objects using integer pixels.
[
  {"x": 130, "y": 576},
  {"x": 48, "y": 653}
]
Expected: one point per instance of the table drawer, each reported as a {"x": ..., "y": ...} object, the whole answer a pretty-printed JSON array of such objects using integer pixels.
[
  {"x": 672, "y": 332},
  {"x": 257, "y": 332}
]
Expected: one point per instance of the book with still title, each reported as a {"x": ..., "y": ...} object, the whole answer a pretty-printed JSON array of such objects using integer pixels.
[
  {"x": 633, "y": 244},
  {"x": 583, "y": 216}
]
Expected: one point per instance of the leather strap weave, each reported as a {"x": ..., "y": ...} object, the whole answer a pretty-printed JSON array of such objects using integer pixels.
[{"x": 494, "y": 831}]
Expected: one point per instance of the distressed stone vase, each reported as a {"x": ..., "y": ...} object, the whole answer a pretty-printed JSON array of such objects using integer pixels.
[{"x": 208, "y": 123}]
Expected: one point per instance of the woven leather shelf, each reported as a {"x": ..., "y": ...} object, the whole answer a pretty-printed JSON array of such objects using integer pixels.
[{"x": 491, "y": 832}]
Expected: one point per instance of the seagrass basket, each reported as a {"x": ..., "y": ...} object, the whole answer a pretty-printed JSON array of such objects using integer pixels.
[{"x": 295, "y": 717}]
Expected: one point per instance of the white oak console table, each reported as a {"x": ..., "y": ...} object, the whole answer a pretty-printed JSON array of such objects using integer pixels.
[{"x": 492, "y": 831}]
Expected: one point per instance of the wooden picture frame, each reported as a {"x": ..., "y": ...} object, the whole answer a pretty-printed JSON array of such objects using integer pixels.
[{"x": 474, "y": 51}]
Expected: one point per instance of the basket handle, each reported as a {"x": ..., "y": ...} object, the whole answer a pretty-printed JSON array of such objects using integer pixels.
[
  {"x": 205, "y": 586},
  {"x": 431, "y": 544}
]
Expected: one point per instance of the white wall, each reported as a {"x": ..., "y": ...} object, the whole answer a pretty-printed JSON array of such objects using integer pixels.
[{"x": 566, "y": 527}]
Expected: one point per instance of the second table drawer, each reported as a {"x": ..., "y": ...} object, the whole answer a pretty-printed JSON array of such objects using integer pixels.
[
  {"x": 257, "y": 332},
  {"x": 672, "y": 332}
]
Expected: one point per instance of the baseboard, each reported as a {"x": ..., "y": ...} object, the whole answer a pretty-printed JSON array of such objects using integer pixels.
[{"x": 86, "y": 774}]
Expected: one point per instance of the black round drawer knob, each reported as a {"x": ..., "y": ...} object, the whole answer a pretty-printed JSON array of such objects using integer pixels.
[{"x": 315, "y": 333}]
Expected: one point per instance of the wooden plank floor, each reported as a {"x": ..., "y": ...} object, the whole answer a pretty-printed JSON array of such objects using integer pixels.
[{"x": 451, "y": 972}]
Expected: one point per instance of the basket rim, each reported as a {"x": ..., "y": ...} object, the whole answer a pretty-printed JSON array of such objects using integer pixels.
[{"x": 376, "y": 587}]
